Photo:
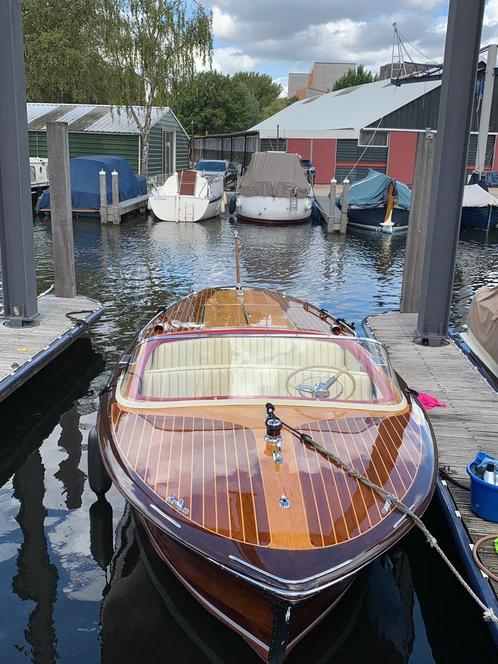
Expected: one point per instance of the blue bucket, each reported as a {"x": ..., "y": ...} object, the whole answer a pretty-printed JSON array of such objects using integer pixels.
[{"x": 483, "y": 495}]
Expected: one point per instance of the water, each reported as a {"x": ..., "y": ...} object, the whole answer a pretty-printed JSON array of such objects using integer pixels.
[{"x": 72, "y": 584}]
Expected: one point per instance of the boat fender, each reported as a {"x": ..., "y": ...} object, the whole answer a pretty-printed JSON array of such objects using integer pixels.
[
  {"x": 232, "y": 205},
  {"x": 98, "y": 477}
]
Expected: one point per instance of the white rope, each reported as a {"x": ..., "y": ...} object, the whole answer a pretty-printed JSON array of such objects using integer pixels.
[
  {"x": 46, "y": 292},
  {"x": 488, "y": 613},
  {"x": 366, "y": 148}
]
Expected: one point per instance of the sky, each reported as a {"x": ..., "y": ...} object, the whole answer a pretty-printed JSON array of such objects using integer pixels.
[{"x": 280, "y": 36}]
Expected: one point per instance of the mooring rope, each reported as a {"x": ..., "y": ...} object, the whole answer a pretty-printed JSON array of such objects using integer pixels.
[{"x": 393, "y": 501}]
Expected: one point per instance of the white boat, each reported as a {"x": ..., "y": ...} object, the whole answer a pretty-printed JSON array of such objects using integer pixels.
[
  {"x": 188, "y": 196},
  {"x": 481, "y": 335},
  {"x": 274, "y": 190}
]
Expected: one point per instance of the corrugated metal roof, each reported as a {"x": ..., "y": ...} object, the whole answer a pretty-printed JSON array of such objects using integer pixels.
[
  {"x": 90, "y": 118},
  {"x": 343, "y": 113}
]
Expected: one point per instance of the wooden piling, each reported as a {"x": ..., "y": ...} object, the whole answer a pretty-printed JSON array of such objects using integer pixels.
[
  {"x": 61, "y": 209},
  {"x": 331, "y": 219},
  {"x": 103, "y": 196},
  {"x": 344, "y": 208},
  {"x": 115, "y": 216},
  {"x": 417, "y": 223}
]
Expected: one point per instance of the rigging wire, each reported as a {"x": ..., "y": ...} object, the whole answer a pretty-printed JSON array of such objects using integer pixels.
[{"x": 392, "y": 501}]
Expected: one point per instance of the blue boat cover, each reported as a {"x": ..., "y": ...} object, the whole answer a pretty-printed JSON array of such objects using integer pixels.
[
  {"x": 372, "y": 191},
  {"x": 85, "y": 184}
]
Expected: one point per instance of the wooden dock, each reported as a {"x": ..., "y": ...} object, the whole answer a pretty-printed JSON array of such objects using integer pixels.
[
  {"x": 469, "y": 422},
  {"x": 24, "y": 351}
]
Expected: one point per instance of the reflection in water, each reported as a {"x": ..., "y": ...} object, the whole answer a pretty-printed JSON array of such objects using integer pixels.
[
  {"x": 37, "y": 577},
  {"x": 69, "y": 473},
  {"x": 101, "y": 535}
]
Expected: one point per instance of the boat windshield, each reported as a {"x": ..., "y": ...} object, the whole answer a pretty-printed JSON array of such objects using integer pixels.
[
  {"x": 217, "y": 166},
  {"x": 245, "y": 367}
]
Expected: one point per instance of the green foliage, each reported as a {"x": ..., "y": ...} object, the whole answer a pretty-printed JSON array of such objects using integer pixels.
[
  {"x": 355, "y": 77},
  {"x": 276, "y": 106},
  {"x": 213, "y": 103},
  {"x": 261, "y": 85},
  {"x": 63, "y": 63},
  {"x": 152, "y": 44}
]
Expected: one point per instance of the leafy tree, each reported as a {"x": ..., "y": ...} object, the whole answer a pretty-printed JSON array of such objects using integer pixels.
[
  {"x": 276, "y": 106},
  {"x": 213, "y": 103},
  {"x": 63, "y": 63},
  {"x": 262, "y": 86},
  {"x": 153, "y": 44},
  {"x": 352, "y": 77}
]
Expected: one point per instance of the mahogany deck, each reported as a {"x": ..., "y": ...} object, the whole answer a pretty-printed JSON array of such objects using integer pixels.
[
  {"x": 212, "y": 308},
  {"x": 226, "y": 475}
]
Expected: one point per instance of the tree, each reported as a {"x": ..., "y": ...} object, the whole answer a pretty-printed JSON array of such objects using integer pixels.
[
  {"x": 213, "y": 103},
  {"x": 355, "y": 77},
  {"x": 153, "y": 44},
  {"x": 262, "y": 86},
  {"x": 276, "y": 106},
  {"x": 63, "y": 62}
]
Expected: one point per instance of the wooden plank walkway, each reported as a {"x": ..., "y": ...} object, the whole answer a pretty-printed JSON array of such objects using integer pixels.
[
  {"x": 24, "y": 351},
  {"x": 469, "y": 422}
]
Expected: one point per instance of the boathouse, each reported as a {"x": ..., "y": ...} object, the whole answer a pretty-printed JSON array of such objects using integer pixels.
[
  {"x": 112, "y": 130},
  {"x": 368, "y": 126}
]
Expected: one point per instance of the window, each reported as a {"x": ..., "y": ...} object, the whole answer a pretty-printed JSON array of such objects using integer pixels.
[{"x": 373, "y": 138}]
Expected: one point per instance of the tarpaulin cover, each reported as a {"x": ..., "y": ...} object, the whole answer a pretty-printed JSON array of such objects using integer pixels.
[
  {"x": 85, "y": 183},
  {"x": 272, "y": 174},
  {"x": 491, "y": 179},
  {"x": 476, "y": 196},
  {"x": 483, "y": 319},
  {"x": 372, "y": 191}
]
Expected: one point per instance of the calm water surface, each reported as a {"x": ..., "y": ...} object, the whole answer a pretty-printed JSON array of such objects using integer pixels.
[{"x": 73, "y": 587}]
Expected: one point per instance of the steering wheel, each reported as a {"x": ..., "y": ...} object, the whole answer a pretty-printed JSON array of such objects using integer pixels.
[{"x": 315, "y": 382}]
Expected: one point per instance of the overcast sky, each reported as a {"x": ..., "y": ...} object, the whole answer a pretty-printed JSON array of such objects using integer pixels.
[{"x": 279, "y": 36}]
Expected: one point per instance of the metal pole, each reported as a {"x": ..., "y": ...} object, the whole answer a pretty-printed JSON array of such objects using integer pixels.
[
  {"x": 484, "y": 118},
  {"x": 16, "y": 218},
  {"x": 61, "y": 211},
  {"x": 417, "y": 223},
  {"x": 455, "y": 113}
]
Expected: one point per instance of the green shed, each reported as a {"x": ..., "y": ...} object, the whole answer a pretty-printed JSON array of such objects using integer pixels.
[{"x": 112, "y": 130}]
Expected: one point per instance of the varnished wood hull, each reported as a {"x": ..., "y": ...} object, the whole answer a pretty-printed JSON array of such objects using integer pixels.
[
  {"x": 271, "y": 625},
  {"x": 268, "y": 545}
]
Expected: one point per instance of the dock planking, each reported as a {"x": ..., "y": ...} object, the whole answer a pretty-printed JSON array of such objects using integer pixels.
[
  {"x": 469, "y": 422},
  {"x": 24, "y": 351}
]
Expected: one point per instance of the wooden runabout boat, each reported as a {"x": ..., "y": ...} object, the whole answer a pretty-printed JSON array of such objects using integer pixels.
[{"x": 199, "y": 429}]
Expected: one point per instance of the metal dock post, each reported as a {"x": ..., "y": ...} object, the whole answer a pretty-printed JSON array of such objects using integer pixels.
[{"x": 16, "y": 221}]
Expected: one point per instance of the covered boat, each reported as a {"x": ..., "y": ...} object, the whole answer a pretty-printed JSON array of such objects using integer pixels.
[
  {"x": 378, "y": 203},
  {"x": 85, "y": 183},
  {"x": 188, "y": 196},
  {"x": 482, "y": 328},
  {"x": 201, "y": 428},
  {"x": 479, "y": 208},
  {"x": 274, "y": 190}
]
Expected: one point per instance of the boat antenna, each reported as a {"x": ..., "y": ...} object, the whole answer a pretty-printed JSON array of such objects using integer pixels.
[{"x": 237, "y": 259}]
